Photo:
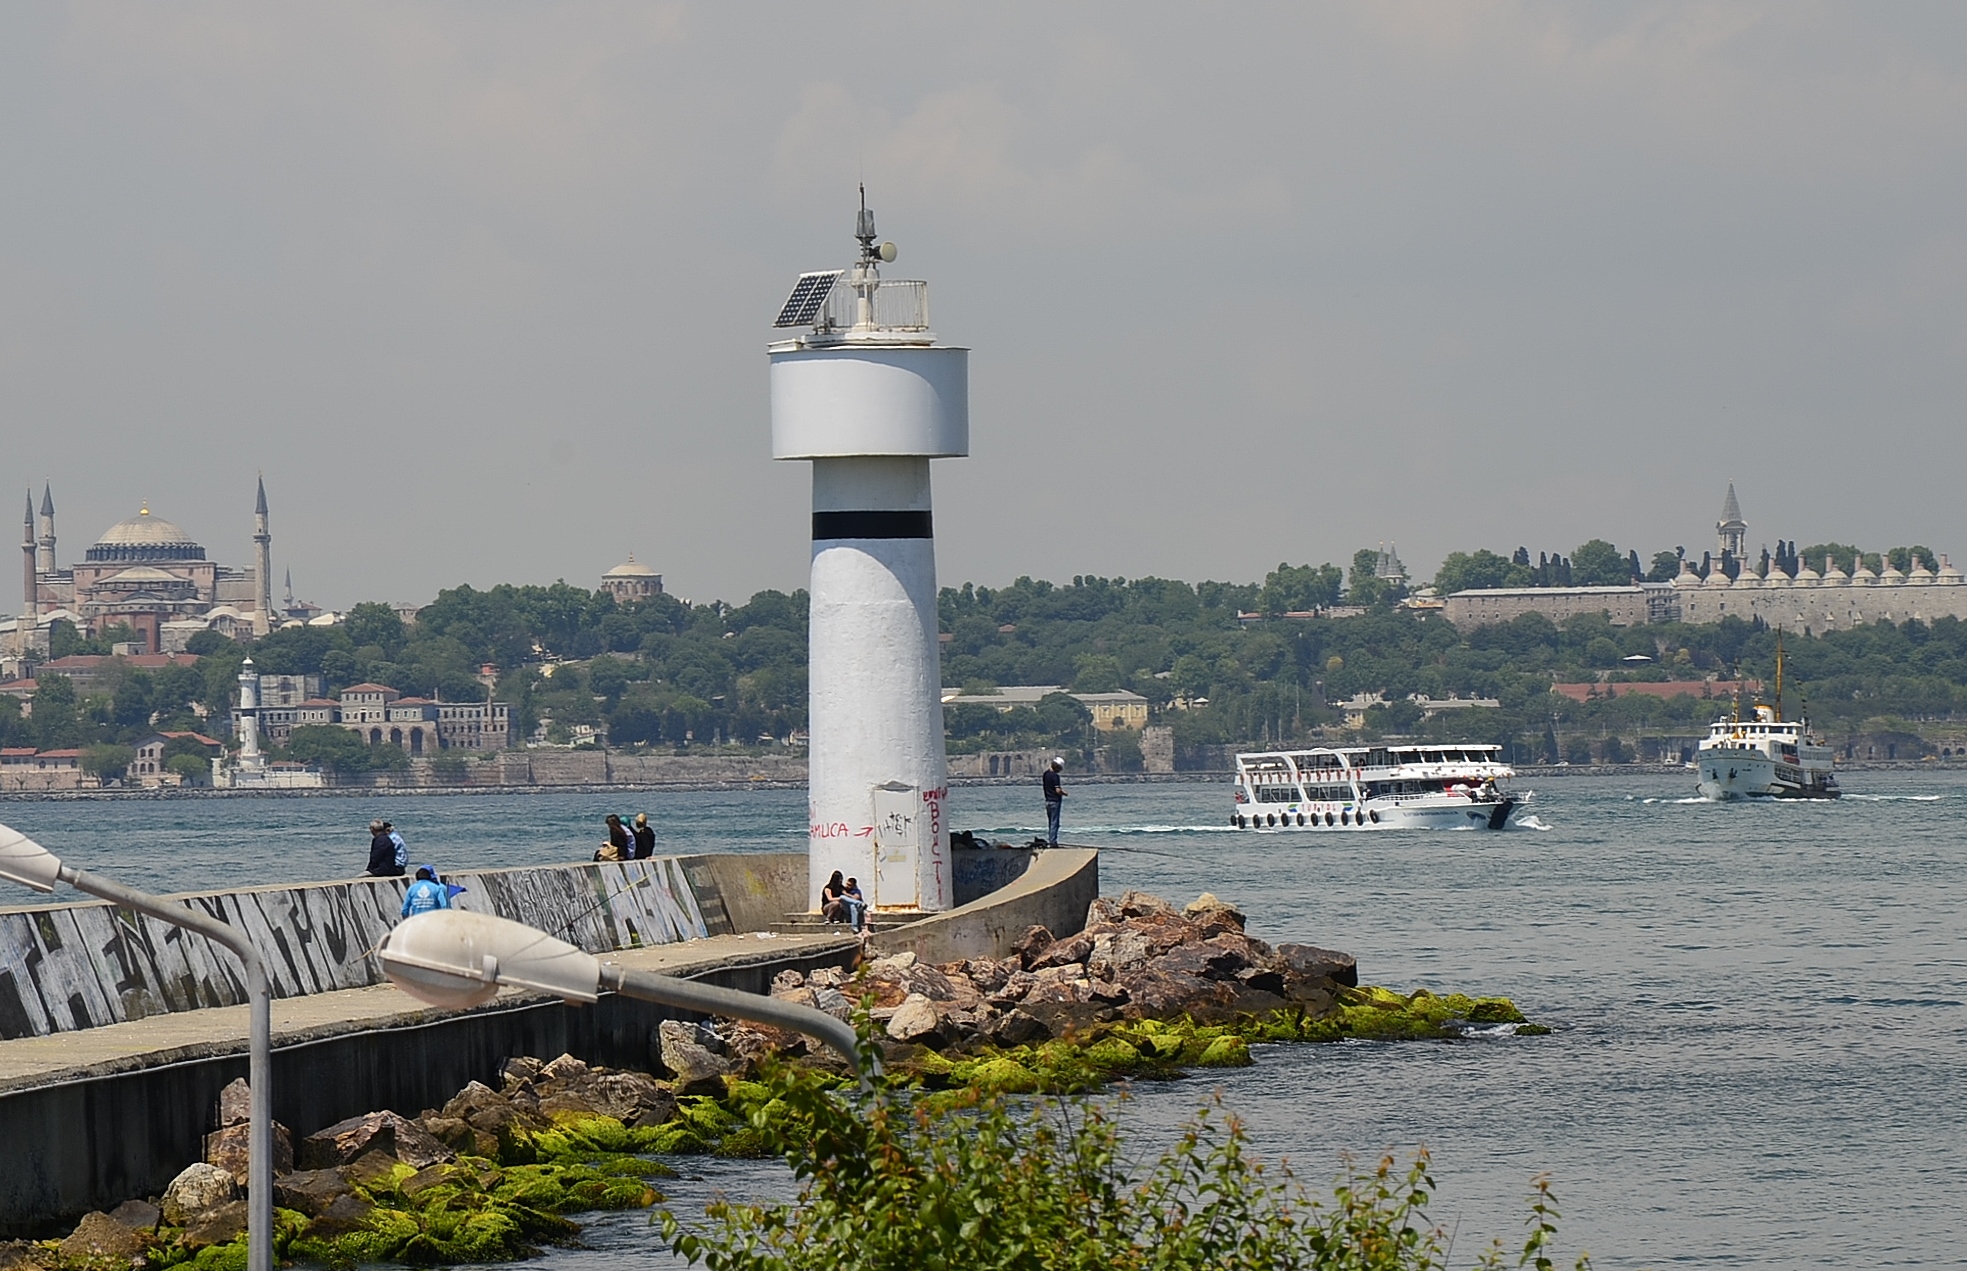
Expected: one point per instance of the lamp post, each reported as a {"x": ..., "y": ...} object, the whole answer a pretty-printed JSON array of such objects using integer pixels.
[
  {"x": 457, "y": 959},
  {"x": 26, "y": 862}
]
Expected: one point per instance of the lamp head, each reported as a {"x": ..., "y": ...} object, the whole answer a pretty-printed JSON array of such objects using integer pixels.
[
  {"x": 457, "y": 959},
  {"x": 26, "y": 862}
]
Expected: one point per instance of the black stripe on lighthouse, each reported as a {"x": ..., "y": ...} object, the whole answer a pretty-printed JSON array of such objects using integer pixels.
[{"x": 828, "y": 525}]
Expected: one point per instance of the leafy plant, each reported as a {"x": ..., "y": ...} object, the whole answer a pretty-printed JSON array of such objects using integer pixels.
[{"x": 1044, "y": 1184}]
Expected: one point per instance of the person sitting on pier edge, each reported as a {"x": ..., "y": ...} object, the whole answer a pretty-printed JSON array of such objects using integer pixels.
[
  {"x": 856, "y": 904},
  {"x": 383, "y": 861},
  {"x": 618, "y": 847},
  {"x": 645, "y": 837},
  {"x": 426, "y": 893},
  {"x": 833, "y": 899},
  {"x": 1054, "y": 800}
]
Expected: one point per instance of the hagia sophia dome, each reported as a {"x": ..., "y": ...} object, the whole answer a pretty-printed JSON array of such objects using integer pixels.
[{"x": 145, "y": 537}]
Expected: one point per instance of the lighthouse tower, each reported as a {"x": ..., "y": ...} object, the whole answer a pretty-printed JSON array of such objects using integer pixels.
[
  {"x": 869, "y": 397},
  {"x": 251, "y": 758}
]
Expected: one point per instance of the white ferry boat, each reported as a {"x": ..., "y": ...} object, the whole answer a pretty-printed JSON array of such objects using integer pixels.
[
  {"x": 1405, "y": 787},
  {"x": 1764, "y": 756}
]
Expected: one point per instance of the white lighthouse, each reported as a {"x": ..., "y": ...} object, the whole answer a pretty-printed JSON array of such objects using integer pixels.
[
  {"x": 251, "y": 759},
  {"x": 870, "y": 398}
]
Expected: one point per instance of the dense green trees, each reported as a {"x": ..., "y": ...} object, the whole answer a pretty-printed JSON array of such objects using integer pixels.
[{"x": 1217, "y": 661}]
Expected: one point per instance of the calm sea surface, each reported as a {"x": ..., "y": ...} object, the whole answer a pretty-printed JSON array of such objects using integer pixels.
[{"x": 1759, "y": 1010}]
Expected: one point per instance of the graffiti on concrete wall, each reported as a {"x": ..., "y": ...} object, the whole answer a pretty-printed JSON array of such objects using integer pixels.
[{"x": 81, "y": 966}]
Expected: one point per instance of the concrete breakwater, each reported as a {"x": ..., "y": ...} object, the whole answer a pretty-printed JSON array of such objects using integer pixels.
[{"x": 99, "y": 1113}]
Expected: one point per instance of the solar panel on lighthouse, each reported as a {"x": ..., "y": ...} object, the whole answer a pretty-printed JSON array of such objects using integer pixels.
[{"x": 803, "y": 305}]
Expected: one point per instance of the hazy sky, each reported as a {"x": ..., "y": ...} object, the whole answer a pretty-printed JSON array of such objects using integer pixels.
[{"x": 484, "y": 288}]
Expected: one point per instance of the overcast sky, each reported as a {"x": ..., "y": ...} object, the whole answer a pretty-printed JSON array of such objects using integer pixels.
[{"x": 484, "y": 288}]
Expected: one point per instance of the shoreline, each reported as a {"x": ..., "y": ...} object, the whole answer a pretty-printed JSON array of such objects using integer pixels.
[{"x": 1530, "y": 771}]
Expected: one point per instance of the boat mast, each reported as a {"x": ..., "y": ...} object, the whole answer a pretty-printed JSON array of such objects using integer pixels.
[{"x": 1779, "y": 675}]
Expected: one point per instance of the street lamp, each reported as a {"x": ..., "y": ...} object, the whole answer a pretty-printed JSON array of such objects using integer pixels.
[
  {"x": 457, "y": 959},
  {"x": 26, "y": 862}
]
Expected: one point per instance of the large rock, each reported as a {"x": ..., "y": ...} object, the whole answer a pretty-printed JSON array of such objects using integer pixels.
[
  {"x": 235, "y": 1103},
  {"x": 1067, "y": 952},
  {"x": 346, "y": 1141},
  {"x": 519, "y": 1070},
  {"x": 1116, "y": 954},
  {"x": 216, "y": 1226},
  {"x": 1212, "y": 915},
  {"x": 1330, "y": 964},
  {"x": 565, "y": 1068},
  {"x": 460, "y": 1136},
  {"x": 196, "y": 1190},
  {"x": 230, "y": 1150},
  {"x": 101, "y": 1240},
  {"x": 1032, "y": 943},
  {"x": 786, "y": 981},
  {"x": 692, "y": 1065},
  {"x": 138, "y": 1215},
  {"x": 626, "y": 1096},
  {"x": 343, "y": 1215},
  {"x": 915, "y": 1020},
  {"x": 832, "y": 1001},
  {"x": 310, "y": 1191}
]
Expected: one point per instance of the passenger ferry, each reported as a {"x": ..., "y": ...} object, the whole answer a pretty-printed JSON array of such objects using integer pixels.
[
  {"x": 1765, "y": 756},
  {"x": 1407, "y": 787}
]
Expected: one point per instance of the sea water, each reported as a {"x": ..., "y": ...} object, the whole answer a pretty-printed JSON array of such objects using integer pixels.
[{"x": 1760, "y": 1013}]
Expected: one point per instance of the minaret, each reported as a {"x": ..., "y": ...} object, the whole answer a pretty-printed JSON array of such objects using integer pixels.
[
  {"x": 870, "y": 398},
  {"x": 30, "y": 578},
  {"x": 1731, "y": 531},
  {"x": 262, "y": 565},
  {"x": 47, "y": 562},
  {"x": 250, "y": 759},
  {"x": 288, "y": 604}
]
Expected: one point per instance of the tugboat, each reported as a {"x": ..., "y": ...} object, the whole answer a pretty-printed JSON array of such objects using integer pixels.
[
  {"x": 1763, "y": 756},
  {"x": 1422, "y": 786}
]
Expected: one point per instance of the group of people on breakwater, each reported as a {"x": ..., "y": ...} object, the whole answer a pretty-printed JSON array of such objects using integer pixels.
[{"x": 389, "y": 856}]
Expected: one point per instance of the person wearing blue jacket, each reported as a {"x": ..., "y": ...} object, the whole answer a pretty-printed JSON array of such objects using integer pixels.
[{"x": 426, "y": 893}]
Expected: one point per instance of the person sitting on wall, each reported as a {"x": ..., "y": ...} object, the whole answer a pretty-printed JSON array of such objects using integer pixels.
[
  {"x": 856, "y": 904},
  {"x": 426, "y": 893},
  {"x": 645, "y": 837},
  {"x": 833, "y": 899},
  {"x": 382, "y": 852}
]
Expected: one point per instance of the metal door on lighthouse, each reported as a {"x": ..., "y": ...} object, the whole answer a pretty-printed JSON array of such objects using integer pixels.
[{"x": 898, "y": 823}]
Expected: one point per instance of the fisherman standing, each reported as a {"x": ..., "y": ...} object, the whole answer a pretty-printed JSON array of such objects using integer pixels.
[{"x": 1054, "y": 799}]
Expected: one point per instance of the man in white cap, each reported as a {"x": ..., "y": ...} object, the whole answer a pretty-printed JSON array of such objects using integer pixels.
[{"x": 1054, "y": 799}]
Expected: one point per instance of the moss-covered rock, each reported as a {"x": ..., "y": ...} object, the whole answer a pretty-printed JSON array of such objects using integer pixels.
[{"x": 1226, "y": 1052}]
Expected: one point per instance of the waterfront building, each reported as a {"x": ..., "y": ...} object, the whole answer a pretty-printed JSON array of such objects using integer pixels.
[
  {"x": 148, "y": 768},
  {"x": 1121, "y": 709},
  {"x": 144, "y": 572},
  {"x": 378, "y": 714},
  {"x": 1810, "y": 600}
]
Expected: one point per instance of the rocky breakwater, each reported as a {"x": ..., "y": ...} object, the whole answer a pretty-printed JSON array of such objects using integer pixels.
[
  {"x": 1145, "y": 989},
  {"x": 488, "y": 1177}
]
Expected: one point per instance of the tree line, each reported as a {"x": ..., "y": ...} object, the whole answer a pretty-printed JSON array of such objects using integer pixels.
[{"x": 1218, "y": 662}]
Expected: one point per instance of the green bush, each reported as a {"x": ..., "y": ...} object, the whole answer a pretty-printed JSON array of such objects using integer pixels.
[{"x": 1044, "y": 1184}]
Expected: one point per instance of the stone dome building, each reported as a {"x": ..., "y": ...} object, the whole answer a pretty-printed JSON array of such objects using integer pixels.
[
  {"x": 144, "y": 572},
  {"x": 631, "y": 581}
]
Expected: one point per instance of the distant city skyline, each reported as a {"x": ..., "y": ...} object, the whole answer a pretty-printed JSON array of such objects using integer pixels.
[{"x": 485, "y": 291}]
